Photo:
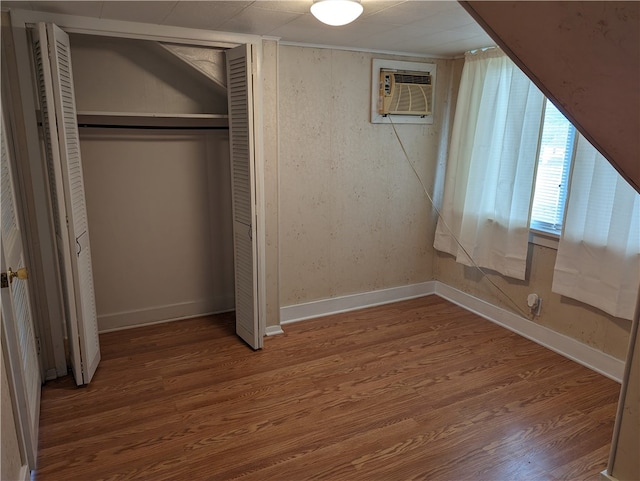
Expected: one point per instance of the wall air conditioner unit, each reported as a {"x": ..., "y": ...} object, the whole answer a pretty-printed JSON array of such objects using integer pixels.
[
  {"x": 402, "y": 92},
  {"x": 405, "y": 93}
]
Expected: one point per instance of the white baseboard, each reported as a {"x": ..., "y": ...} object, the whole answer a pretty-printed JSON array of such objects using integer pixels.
[
  {"x": 160, "y": 314},
  {"x": 273, "y": 331},
  {"x": 566, "y": 346},
  {"x": 606, "y": 477},
  {"x": 335, "y": 305},
  {"x": 25, "y": 473}
]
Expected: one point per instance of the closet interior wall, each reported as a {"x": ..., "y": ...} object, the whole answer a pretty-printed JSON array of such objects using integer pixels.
[{"x": 158, "y": 191}]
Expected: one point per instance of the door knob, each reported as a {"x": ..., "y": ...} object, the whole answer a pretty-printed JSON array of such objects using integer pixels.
[
  {"x": 20, "y": 274},
  {"x": 6, "y": 278}
]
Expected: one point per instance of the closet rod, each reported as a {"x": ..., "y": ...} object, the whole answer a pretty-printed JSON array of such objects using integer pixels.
[{"x": 150, "y": 127}]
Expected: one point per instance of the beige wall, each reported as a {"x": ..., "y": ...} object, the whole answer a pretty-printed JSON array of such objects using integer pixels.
[
  {"x": 566, "y": 316},
  {"x": 122, "y": 75},
  {"x": 159, "y": 209},
  {"x": 353, "y": 218},
  {"x": 158, "y": 201}
]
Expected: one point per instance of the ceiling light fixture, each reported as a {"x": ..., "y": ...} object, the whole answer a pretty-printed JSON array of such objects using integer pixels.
[{"x": 336, "y": 12}]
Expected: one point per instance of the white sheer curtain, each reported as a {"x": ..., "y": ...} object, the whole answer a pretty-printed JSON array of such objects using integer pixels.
[
  {"x": 491, "y": 164},
  {"x": 598, "y": 258}
]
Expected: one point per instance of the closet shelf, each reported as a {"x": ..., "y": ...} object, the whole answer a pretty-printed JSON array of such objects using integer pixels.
[{"x": 165, "y": 120}]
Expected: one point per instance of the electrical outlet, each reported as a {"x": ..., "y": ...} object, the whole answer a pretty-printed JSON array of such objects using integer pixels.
[
  {"x": 535, "y": 304},
  {"x": 538, "y": 308}
]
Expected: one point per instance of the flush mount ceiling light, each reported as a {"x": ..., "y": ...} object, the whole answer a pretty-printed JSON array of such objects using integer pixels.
[{"x": 336, "y": 12}]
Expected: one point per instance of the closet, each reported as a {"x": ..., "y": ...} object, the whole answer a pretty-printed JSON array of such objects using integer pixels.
[
  {"x": 155, "y": 154},
  {"x": 172, "y": 168},
  {"x": 157, "y": 220}
]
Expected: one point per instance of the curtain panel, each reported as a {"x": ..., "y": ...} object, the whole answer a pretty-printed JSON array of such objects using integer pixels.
[
  {"x": 491, "y": 165},
  {"x": 598, "y": 259}
]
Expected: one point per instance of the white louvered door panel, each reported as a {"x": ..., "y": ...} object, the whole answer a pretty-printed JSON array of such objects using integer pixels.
[
  {"x": 240, "y": 97},
  {"x": 69, "y": 180},
  {"x": 17, "y": 322},
  {"x": 10, "y": 231},
  {"x": 54, "y": 171}
]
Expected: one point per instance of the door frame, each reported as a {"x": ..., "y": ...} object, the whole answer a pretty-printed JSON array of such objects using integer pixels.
[{"x": 21, "y": 20}]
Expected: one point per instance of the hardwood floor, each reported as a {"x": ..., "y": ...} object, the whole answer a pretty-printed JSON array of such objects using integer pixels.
[{"x": 420, "y": 389}]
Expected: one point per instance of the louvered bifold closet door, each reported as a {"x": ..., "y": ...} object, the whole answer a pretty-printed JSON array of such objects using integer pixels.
[
  {"x": 54, "y": 171},
  {"x": 67, "y": 188},
  {"x": 240, "y": 97},
  {"x": 17, "y": 323}
]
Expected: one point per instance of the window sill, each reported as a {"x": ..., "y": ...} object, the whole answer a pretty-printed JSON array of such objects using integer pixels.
[{"x": 543, "y": 239}]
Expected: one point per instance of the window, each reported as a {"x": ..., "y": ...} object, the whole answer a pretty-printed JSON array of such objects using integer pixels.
[
  {"x": 507, "y": 181},
  {"x": 556, "y": 150}
]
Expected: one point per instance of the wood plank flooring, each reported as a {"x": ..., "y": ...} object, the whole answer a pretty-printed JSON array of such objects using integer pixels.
[{"x": 420, "y": 389}]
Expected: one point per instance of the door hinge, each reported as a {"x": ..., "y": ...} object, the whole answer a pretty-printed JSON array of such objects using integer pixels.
[
  {"x": 4, "y": 280},
  {"x": 38, "y": 346}
]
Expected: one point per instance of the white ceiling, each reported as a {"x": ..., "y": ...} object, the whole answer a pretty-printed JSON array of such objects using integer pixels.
[{"x": 415, "y": 26}]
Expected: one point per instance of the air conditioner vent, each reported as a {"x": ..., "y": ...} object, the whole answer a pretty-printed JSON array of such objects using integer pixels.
[
  {"x": 405, "y": 93},
  {"x": 406, "y": 78}
]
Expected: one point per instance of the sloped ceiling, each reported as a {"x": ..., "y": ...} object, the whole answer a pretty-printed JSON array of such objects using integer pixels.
[{"x": 585, "y": 56}]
